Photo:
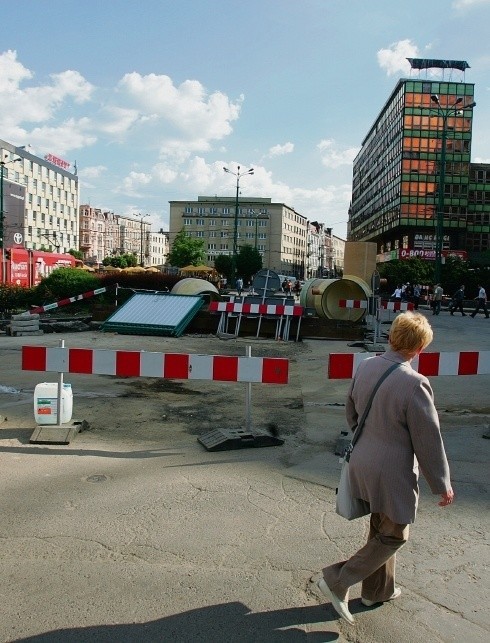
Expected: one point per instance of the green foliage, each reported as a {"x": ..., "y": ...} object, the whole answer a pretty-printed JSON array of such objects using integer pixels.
[
  {"x": 454, "y": 273},
  {"x": 415, "y": 271},
  {"x": 75, "y": 253},
  {"x": 224, "y": 266},
  {"x": 186, "y": 251},
  {"x": 65, "y": 282},
  {"x": 128, "y": 260},
  {"x": 14, "y": 298},
  {"x": 248, "y": 262}
]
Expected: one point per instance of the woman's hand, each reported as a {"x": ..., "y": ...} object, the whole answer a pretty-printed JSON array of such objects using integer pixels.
[{"x": 447, "y": 498}]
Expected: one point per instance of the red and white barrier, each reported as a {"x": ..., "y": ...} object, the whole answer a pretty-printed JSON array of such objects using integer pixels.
[
  {"x": 65, "y": 302},
  {"x": 255, "y": 309},
  {"x": 224, "y": 368},
  {"x": 397, "y": 305},
  {"x": 344, "y": 365},
  {"x": 353, "y": 303},
  {"x": 386, "y": 305}
]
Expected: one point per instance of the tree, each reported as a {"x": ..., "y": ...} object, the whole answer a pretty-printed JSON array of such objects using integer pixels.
[
  {"x": 128, "y": 260},
  {"x": 248, "y": 262},
  {"x": 75, "y": 253},
  {"x": 224, "y": 266},
  {"x": 414, "y": 271},
  {"x": 186, "y": 251}
]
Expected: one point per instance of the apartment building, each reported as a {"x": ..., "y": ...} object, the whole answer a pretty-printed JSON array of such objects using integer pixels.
[
  {"x": 104, "y": 233},
  {"x": 414, "y": 169},
  {"x": 276, "y": 230},
  {"x": 39, "y": 200}
]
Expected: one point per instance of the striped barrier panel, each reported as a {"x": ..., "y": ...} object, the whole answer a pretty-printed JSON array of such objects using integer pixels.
[
  {"x": 223, "y": 368},
  {"x": 65, "y": 302},
  {"x": 386, "y": 305},
  {"x": 353, "y": 303},
  {"x": 255, "y": 309},
  {"x": 344, "y": 365},
  {"x": 396, "y": 305}
]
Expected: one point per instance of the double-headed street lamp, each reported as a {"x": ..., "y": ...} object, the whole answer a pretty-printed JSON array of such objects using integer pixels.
[
  {"x": 3, "y": 163},
  {"x": 238, "y": 175},
  {"x": 456, "y": 109},
  {"x": 142, "y": 216}
]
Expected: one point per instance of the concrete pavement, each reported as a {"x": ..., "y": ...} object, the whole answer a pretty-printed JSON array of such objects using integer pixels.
[{"x": 125, "y": 538}]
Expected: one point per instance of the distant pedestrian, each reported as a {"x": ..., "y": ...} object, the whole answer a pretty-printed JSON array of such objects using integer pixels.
[
  {"x": 457, "y": 301},
  {"x": 397, "y": 294},
  {"x": 437, "y": 299},
  {"x": 401, "y": 431},
  {"x": 481, "y": 302},
  {"x": 416, "y": 296},
  {"x": 239, "y": 285},
  {"x": 297, "y": 287}
]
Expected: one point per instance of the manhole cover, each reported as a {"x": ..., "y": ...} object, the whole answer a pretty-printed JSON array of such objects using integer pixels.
[{"x": 99, "y": 477}]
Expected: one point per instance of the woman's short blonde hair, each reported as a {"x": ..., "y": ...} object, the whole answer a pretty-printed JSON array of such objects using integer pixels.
[{"x": 410, "y": 332}]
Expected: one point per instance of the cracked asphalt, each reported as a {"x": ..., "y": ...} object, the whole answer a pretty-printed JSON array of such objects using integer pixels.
[{"x": 134, "y": 532}]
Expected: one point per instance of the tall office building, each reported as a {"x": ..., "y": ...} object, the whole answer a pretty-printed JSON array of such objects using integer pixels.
[{"x": 413, "y": 171}]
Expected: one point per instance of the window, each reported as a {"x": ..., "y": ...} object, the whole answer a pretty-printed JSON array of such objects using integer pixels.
[
  {"x": 188, "y": 210},
  {"x": 187, "y": 221},
  {"x": 200, "y": 222},
  {"x": 200, "y": 233}
]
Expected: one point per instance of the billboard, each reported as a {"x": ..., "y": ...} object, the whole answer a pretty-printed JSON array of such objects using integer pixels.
[{"x": 14, "y": 206}]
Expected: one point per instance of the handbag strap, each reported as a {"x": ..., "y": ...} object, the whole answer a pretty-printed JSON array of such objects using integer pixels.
[{"x": 360, "y": 424}]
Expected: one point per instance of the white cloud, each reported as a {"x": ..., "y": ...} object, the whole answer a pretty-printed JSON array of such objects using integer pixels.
[
  {"x": 197, "y": 116},
  {"x": 164, "y": 174},
  {"x": 334, "y": 158},
  {"x": 70, "y": 135},
  {"x": 117, "y": 120},
  {"x": 93, "y": 172},
  {"x": 394, "y": 59},
  {"x": 280, "y": 150},
  {"x": 468, "y": 4},
  {"x": 132, "y": 184}
]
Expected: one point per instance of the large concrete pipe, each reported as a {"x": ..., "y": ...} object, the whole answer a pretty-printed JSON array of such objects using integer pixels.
[
  {"x": 192, "y": 286},
  {"x": 324, "y": 295}
]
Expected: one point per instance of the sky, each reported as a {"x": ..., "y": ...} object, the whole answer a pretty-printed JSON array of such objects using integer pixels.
[{"x": 150, "y": 99}]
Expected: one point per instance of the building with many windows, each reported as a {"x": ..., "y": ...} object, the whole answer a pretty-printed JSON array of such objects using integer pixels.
[
  {"x": 276, "y": 230},
  {"x": 39, "y": 206},
  {"x": 103, "y": 233},
  {"x": 397, "y": 193}
]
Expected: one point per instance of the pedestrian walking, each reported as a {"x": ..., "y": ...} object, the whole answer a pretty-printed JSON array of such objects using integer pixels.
[
  {"x": 437, "y": 299},
  {"x": 481, "y": 302},
  {"x": 401, "y": 432},
  {"x": 297, "y": 288},
  {"x": 397, "y": 294},
  {"x": 239, "y": 286},
  {"x": 457, "y": 301},
  {"x": 416, "y": 296}
]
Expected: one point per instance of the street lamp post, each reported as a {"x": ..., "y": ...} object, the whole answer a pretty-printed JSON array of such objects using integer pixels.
[
  {"x": 2, "y": 211},
  {"x": 238, "y": 175},
  {"x": 444, "y": 113},
  {"x": 142, "y": 216}
]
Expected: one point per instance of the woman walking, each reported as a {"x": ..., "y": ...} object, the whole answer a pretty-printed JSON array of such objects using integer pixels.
[{"x": 401, "y": 433}]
